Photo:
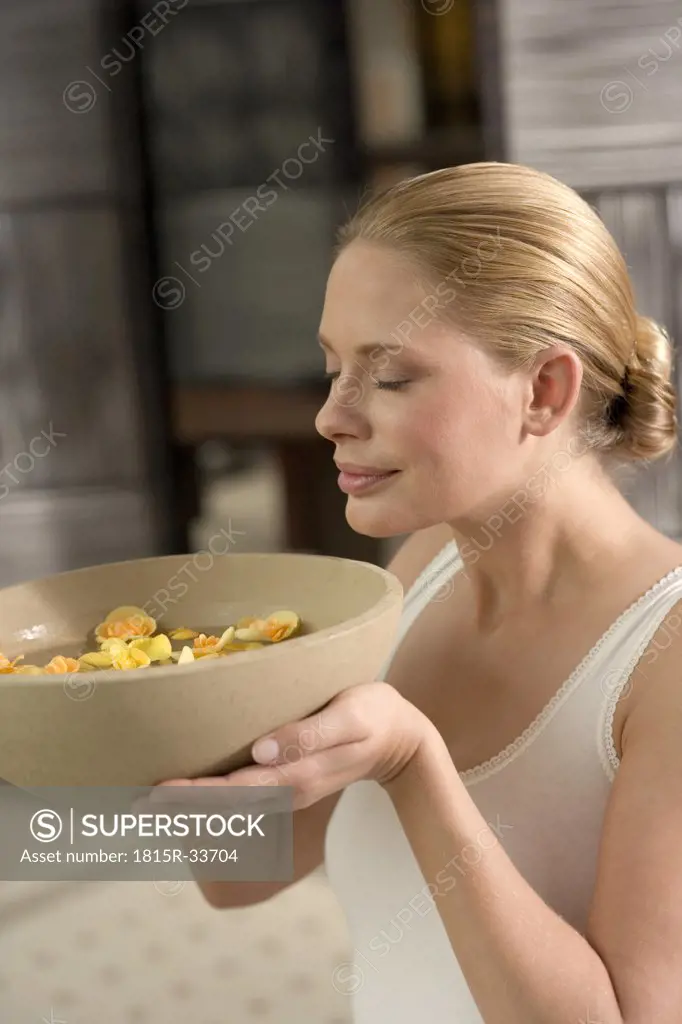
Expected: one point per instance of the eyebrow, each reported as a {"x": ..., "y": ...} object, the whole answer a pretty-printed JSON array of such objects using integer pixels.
[{"x": 363, "y": 350}]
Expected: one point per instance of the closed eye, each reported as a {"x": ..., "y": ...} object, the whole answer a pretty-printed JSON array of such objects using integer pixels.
[{"x": 381, "y": 385}]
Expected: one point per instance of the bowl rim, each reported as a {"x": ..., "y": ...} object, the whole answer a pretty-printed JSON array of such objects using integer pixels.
[{"x": 392, "y": 588}]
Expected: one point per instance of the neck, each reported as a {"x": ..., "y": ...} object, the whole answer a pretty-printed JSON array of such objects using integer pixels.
[{"x": 550, "y": 550}]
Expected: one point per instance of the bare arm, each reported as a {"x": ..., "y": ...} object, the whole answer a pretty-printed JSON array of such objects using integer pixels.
[
  {"x": 310, "y": 829},
  {"x": 523, "y": 962}
]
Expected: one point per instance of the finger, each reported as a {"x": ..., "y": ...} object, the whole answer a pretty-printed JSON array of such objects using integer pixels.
[
  {"x": 238, "y": 790},
  {"x": 315, "y": 776},
  {"x": 331, "y": 727},
  {"x": 174, "y": 792}
]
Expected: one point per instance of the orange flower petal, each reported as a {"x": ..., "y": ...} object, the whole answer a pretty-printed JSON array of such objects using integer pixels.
[{"x": 59, "y": 665}]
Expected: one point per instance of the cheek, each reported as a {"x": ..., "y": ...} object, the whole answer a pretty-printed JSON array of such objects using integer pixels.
[
  {"x": 445, "y": 427},
  {"x": 460, "y": 439}
]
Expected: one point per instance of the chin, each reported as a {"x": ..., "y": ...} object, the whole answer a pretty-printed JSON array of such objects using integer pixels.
[{"x": 378, "y": 522}]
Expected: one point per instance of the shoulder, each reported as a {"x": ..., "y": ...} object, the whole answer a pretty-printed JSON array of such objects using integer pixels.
[
  {"x": 653, "y": 675},
  {"x": 635, "y": 921},
  {"x": 655, "y": 689},
  {"x": 417, "y": 551}
]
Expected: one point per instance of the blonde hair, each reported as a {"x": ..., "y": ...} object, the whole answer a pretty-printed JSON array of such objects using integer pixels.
[{"x": 534, "y": 266}]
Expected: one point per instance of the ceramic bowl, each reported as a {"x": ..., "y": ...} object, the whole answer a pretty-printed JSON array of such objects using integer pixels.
[{"x": 140, "y": 727}]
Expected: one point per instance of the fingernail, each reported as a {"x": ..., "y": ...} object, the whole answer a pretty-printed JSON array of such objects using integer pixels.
[{"x": 265, "y": 750}]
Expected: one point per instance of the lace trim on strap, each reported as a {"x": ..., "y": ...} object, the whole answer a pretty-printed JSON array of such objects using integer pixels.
[
  {"x": 445, "y": 559},
  {"x": 513, "y": 749},
  {"x": 618, "y": 684}
]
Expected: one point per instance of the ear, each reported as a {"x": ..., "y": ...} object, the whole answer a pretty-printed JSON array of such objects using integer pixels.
[{"x": 553, "y": 390}]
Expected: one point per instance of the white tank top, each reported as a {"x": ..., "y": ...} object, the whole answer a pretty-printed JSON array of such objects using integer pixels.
[{"x": 544, "y": 796}]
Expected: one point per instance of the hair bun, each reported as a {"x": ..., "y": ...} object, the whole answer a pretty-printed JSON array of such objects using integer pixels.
[
  {"x": 648, "y": 413},
  {"x": 653, "y": 346}
]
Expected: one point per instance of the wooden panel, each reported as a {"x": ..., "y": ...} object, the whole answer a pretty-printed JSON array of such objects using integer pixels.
[
  {"x": 592, "y": 89},
  {"x": 640, "y": 225},
  {"x": 246, "y": 413},
  {"x": 45, "y": 532},
  {"x": 638, "y": 222},
  {"x": 674, "y": 219},
  {"x": 57, "y": 139},
  {"x": 83, "y": 470},
  {"x": 251, "y": 295},
  {"x": 65, "y": 351},
  {"x": 235, "y": 87}
]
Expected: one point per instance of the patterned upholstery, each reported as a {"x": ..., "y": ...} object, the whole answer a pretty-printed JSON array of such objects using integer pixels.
[{"x": 132, "y": 953}]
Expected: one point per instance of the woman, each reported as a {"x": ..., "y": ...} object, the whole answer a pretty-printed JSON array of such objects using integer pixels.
[{"x": 507, "y": 844}]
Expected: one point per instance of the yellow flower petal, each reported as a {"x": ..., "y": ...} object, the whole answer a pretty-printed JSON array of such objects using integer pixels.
[
  {"x": 59, "y": 665},
  {"x": 7, "y": 666},
  {"x": 112, "y": 643},
  {"x": 249, "y": 633},
  {"x": 155, "y": 647},
  {"x": 278, "y": 626},
  {"x": 96, "y": 659},
  {"x": 245, "y": 621},
  {"x": 29, "y": 670},
  {"x": 226, "y": 638},
  {"x": 129, "y": 659},
  {"x": 281, "y": 625},
  {"x": 182, "y": 633}
]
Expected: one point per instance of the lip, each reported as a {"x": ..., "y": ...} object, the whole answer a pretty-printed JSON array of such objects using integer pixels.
[
  {"x": 352, "y": 469},
  {"x": 358, "y": 483}
]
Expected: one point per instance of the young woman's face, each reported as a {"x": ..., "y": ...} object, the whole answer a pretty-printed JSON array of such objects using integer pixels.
[{"x": 422, "y": 402}]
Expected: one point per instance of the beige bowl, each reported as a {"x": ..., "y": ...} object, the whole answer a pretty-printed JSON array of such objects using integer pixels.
[{"x": 140, "y": 727}]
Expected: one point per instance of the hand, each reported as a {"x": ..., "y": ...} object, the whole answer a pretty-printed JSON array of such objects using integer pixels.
[{"x": 366, "y": 732}]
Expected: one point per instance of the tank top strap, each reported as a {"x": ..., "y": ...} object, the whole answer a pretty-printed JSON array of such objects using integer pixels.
[
  {"x": 433, "y": 582},
  {"x": 625, "y": 649},
  {"x": 435, "y": 579}
]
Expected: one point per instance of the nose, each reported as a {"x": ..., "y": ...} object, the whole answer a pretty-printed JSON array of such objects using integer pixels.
[{"x": 340, "y": 414}]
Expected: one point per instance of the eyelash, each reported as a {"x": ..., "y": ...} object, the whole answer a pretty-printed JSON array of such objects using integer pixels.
[{"x": 381, "y": 385}]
